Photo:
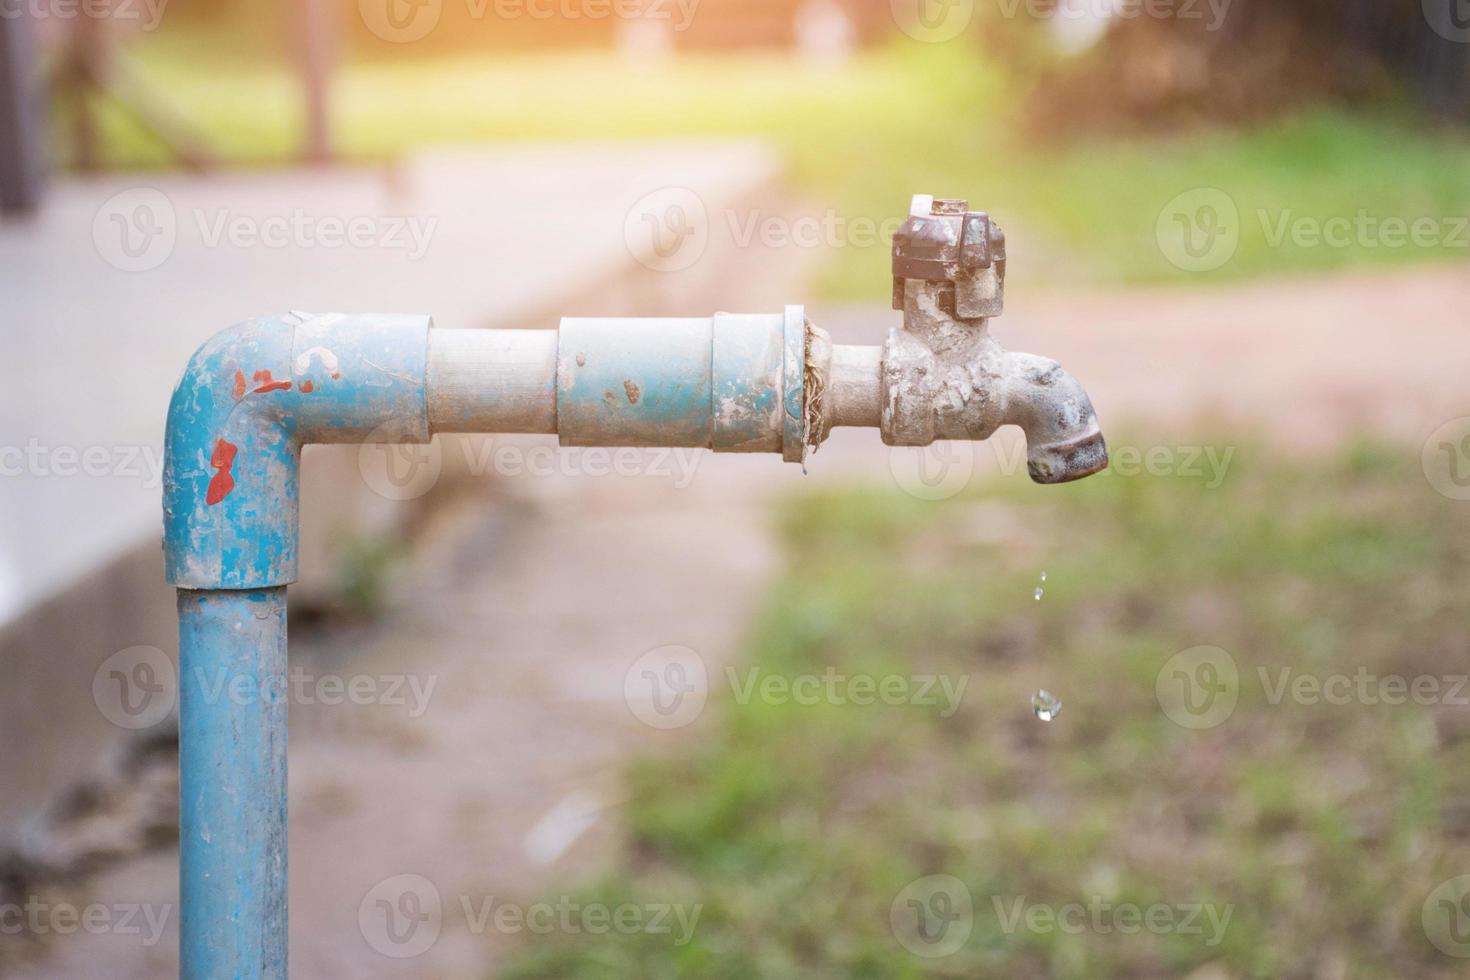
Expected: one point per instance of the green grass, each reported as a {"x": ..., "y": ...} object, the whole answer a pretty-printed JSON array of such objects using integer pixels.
[
  {"x": 1321, "y": 828},
  {"x": 859, "y": 140}
]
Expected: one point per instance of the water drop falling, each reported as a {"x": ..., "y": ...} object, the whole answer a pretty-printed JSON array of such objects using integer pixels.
[
  {"x": 1039, "y": 593},
  {"x": 1045, "y": 705},
  {"x": 1043, "y": 576}
]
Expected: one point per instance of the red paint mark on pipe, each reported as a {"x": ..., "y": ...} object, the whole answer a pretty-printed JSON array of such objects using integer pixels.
[
  {"x": 223, "y": 461},
  {"x": 264, "y": 383},
  {"x": 239, "y": 385},
  {"x": 307, "y": 387}
]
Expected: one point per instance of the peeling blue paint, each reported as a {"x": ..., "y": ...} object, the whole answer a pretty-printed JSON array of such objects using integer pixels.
[
  {"x": 723, "y": 383},
  {"x": 232, "y": 783},
  {"x": 248, "y": 401},
  {"x": 373, "y": 383}
]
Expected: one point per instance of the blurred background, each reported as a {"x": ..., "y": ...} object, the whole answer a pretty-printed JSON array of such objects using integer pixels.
[{"x": 580, "y": 713}]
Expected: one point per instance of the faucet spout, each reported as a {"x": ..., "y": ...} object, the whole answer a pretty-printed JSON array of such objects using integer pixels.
[{"x": 1063, "y": 440}]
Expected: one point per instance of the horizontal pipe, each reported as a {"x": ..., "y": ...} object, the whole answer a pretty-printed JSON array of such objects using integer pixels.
[
  {"x": 854, "y": 392},
  {"x": 492, "y": 381},
  {"x": 730, "y": 383},
  {"x": 635, "y": 381}
]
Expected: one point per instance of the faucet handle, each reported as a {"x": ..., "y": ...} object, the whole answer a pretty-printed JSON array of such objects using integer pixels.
[{"x": 964, "y": 251}]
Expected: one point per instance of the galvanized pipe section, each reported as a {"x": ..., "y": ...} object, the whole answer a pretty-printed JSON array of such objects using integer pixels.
[
  {"x": 492, "y": 380},
  {"x": 854, "y": 392},
  {"x": 232, "y": 783},
  {"x": 721, "y": 382}
]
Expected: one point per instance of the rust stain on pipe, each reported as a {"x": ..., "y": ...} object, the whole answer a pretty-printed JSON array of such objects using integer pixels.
[{"x": 222, "y": 461}]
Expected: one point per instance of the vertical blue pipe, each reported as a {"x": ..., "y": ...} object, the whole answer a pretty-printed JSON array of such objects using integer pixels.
[{"x": 232, "y": 783}]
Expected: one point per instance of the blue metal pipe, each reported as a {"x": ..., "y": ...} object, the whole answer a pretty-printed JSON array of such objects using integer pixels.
[
  {"x": 731, "y": 382},
  {"x": 247, "y": 403},
  {"x": 232, "y": 782},
  {"x": 255, "y": 394}
]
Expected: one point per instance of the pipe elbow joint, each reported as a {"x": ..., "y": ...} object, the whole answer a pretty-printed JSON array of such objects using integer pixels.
[
  {"x": 246, "y": 403},
  {"x": 1063, "y": 440}
]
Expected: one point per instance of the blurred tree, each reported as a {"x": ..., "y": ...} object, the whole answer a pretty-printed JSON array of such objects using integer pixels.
[{"x": 1236, "y": 59}]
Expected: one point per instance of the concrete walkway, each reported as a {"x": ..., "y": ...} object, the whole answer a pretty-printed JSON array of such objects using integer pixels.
[{"x": 107, "y": 292}]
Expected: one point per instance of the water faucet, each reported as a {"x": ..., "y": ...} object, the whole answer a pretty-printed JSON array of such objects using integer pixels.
[
  {"x": 253, "y": 395},
  {"x": 941, "y": 375}
]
